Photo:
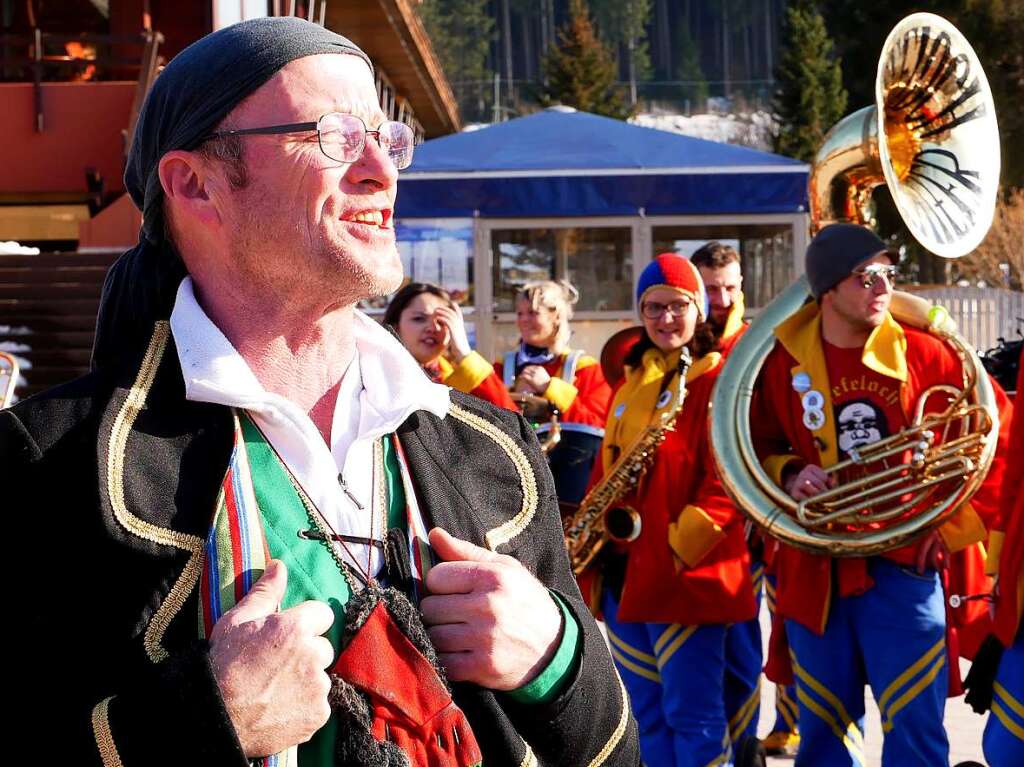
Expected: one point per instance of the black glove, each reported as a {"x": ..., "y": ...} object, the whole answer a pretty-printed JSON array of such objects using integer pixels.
[{"x": 982, "y": 675}]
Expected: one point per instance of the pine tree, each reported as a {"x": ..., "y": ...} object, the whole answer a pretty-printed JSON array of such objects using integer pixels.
[
  {"x": 460, "y": 32},
  {"x": 580, "y": 69},
  {"x": 810, "y": 96},
  {"x": 622, "y": 24},
  {"x": 688, "y": 68}
]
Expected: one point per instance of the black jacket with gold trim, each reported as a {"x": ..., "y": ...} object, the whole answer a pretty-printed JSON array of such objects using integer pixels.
[{"x": 110, "y": 483}]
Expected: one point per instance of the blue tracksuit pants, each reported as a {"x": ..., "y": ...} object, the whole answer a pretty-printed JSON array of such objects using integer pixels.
[
  {"x": 893, "y": 638},
  {"x": 743, "y": 661},
  {"x": 786, "y": 713},
  {"x": 1004, "y": 733},
  {"x": 674, "y": 675}
]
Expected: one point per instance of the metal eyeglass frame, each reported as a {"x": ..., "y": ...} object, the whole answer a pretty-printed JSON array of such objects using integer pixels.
[
  {"x": 274, "y": 130},
  {"x": 684, "y": 305},
  {"x": 870, "y": 274}
]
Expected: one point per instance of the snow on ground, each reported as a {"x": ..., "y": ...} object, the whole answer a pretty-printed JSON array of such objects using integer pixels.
[{"x": 753, "y": 130}]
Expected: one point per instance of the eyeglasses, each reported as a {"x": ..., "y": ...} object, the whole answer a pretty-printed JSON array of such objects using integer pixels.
[
  {"x": 870, "y": 275},
  {"x": 342, "y": 137},
  {"x": 652, "y": 310}
]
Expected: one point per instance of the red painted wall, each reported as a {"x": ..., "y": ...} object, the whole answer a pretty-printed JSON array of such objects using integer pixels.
[{"x": 83, "y": 129}]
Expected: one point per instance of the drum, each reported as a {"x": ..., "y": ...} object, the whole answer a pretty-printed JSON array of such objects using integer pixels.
[{"x": 572, "y": 459}]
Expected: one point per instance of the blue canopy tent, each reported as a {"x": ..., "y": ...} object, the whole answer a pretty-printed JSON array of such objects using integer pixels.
[
  {"x": 567, "y": 194},
  {"x": 560, "y": 162}
]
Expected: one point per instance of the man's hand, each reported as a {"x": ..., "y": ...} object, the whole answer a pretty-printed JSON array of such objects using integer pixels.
[
  {"x": 932, "y": 553},
  {"x": 808, "y": 482},
  {"x": 533, "y": 378},
  {"x": 490, "y": 620},
  {"x": 270, "y": 666}
]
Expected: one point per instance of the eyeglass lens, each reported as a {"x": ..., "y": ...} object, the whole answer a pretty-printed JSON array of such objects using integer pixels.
[
  {"x": 343, "y": 137},
  {"x": 871, "y": 275},
  {"x": 652, "y": 310}
]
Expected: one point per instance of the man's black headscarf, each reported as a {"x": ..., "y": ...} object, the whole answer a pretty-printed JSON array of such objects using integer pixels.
[{"x": 197, "y": 90}]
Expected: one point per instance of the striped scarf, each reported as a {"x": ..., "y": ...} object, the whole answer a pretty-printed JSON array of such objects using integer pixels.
[{"x": 236, "y": 556}]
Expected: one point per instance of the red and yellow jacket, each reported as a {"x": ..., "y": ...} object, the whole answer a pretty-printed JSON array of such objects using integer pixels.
[
  {"x": 690, "y": 564},
  {"x": 474, "y": 375},
  {"x": 583, "y": 399},
  {"x": 914, "y": 359},
  {"x": 1006, "y": 543}
]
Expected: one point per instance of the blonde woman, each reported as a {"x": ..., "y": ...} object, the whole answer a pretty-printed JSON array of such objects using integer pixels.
[{"x": 570, "y": 380}]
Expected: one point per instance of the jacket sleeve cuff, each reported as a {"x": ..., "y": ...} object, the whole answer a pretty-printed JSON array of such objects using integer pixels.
[
  {"x": 550, "y": 682},
  {"x": 963, "y": 529},
  {"x": 560, "y": 393},
  {"x": 776, "y": 465},
  {"x": 995, "y": 550},
  {"x": 471, "y": 371},
  {"x": 693, "y": 535},
  {"x": 179, "y": 718}
]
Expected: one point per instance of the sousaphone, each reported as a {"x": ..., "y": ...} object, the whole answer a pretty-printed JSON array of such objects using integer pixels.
[{"x": 931, "y": 137}]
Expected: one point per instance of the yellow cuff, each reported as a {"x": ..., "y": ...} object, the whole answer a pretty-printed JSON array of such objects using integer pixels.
[
  {"x": 995, "y": 550},
  {"x": 560, "y": 393},
  {"x": 963, "y": 529},
  {"x": 775, "y": 465},
  {"x": 472, "y": 371},
  {"x": 693, "y": 535}
]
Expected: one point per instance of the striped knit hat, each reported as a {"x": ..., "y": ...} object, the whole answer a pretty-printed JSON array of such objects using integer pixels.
[{"x": 671, "y": 270}]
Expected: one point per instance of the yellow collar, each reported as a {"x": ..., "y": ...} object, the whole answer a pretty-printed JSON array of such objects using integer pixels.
[
  {"x": 638, "y": 402},
  {"x": 885, "y": 351},
  {"x": 734, "y": 322}
]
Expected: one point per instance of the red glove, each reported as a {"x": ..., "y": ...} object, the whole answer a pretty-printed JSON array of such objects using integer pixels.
[{"x": 410, "y": 704}]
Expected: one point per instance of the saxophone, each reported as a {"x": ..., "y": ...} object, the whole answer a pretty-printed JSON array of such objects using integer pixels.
[{"x": 598, "y": 519}]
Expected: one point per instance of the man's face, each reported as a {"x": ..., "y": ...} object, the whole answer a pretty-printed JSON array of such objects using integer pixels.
[
  {"x": 304, "y": 220},
  {"x": 723, "y": 285},
  {"x": 860, "y": 307}
]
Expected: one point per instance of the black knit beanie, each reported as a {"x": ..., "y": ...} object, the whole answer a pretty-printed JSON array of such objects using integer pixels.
[{"x": 836, "y": 251}]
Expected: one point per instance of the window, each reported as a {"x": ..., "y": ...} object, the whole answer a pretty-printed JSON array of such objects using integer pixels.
[
  {"x": 598, "y": 261},
  {"x": 766, "y": 253}
]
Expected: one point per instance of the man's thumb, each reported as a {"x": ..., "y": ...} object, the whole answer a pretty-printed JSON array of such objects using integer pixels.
[
  {"x": 452, "y": 549},
  {"x": 264, "y": 598}
]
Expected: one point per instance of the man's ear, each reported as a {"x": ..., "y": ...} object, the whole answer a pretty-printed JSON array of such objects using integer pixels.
[{"x": 189, "y": 187}]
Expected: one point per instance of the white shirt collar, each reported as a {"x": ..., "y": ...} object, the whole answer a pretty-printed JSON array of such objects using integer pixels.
[{"x": 393, "y": 385}]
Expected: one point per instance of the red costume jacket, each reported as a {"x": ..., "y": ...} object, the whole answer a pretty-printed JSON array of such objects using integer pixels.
[
  {"x": 1007, "y": 541},
  {"x": 474, "y": 375},
  {"x": 584, "y": 399},
  {"x": 690, "y": 564},
  {"x": 914, "y": 360}
]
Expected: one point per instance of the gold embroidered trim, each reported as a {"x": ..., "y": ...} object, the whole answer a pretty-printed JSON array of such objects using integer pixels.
[
  {"x": 529, "y": 758},
  {"x": 123, "y": 423},
  {"x": 527, "y": 481},
  {"x": 620, "y": 729},
  {"x": 104, "y": 737}
]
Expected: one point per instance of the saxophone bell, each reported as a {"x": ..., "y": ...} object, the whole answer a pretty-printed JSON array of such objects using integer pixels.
[{"x": 622, "y": 523}]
